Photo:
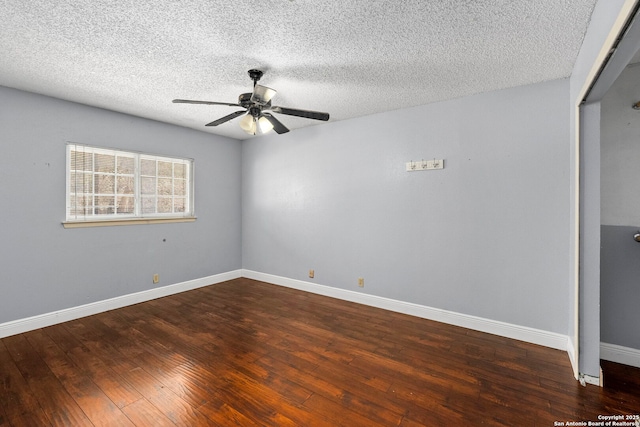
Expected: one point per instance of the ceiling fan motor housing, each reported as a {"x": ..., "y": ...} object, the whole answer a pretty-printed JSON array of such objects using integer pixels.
[{"x": 245, "y": 100}]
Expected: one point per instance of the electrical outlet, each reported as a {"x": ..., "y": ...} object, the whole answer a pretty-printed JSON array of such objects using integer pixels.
[
  {"x": 156, "y": 278},
  {"x": 361, "y": 282},
  {"x": 312, "y": 274}
]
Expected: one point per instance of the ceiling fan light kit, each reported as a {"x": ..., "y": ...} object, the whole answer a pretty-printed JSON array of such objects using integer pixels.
[
  {"x": 257, "y": 107},
  {"x": 255, "y": 125}
]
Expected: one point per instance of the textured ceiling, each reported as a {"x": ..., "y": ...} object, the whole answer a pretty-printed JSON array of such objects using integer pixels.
[{"x": 349, "y": 58}]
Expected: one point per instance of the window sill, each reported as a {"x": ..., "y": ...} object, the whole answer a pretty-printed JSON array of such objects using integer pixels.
[{"x": 127, "y": 221}]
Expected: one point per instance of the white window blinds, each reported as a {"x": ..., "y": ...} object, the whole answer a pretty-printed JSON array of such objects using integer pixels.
[{"x": 112, "y": 184}]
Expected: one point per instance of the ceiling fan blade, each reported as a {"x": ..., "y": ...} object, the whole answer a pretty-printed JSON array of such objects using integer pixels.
[
  {"x": 277, "y": 125},
  {"x": 262, "y": 94},
  {"x": 190, "y": 101},
  {"x": 226, "y": 118},
  {"x": 316, "y": 115}
]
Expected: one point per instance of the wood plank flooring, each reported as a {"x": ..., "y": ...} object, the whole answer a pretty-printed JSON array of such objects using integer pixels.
[{"x": 249, "y": 353}]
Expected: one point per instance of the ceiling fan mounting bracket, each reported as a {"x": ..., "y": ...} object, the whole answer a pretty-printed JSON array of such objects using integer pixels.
[{"x": 255, "y": 75}]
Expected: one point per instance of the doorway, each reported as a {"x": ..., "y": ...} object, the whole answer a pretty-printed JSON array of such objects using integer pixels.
[
  {"x": 620, "y": 218},
  {"x": 605, "y": 145}
]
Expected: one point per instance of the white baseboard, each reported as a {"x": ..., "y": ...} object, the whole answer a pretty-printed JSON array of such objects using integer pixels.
[
  {"x": 619, "y": 354},
  {"x": 43, "y": 320},
  {"x": 522, "y": 333}
]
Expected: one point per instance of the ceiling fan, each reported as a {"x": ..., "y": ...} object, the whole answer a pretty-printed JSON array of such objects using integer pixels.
[{"x": 257, "y": 109}]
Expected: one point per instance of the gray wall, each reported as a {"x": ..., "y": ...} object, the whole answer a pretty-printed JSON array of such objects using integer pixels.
[
  {"x": 44, "y": 267},
  {"x": 620, "y": 151},
  {"x": 487, "y": 236},
  {"x": 620, "y": 287},
  {"x": 620, "y": 174}
]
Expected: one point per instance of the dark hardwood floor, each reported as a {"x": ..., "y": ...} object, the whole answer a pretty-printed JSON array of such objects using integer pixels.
[{"x": 249, "y": 353}]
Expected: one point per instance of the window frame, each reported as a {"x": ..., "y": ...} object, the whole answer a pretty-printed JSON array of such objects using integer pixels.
[{"x": 138, "y": 215}]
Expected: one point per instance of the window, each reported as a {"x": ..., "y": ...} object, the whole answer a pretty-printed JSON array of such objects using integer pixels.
[{"x": 104, "y": 184}]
